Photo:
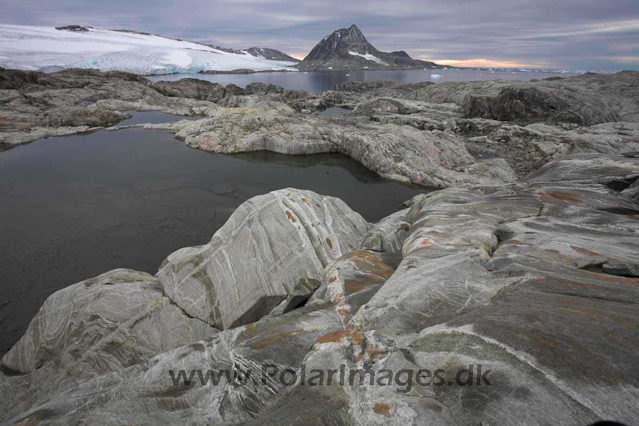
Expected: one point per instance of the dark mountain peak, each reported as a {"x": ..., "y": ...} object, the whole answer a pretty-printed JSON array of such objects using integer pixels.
[
  {"x": 347, "y": 48},
  {"x": 351, "y": 34},
  {"x": 354, "y": 30},
  {"x": 340, "y": 43}
]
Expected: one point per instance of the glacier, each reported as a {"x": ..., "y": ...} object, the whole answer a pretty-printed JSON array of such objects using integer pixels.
[{"x": 49, "y": 49}]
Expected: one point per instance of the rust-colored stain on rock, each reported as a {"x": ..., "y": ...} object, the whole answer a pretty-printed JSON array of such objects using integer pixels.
[
  {"x": 382, "y": 409},
  {"x": 584, "y": 251},
  {"x": 263, "y": 343},
  {"x": 290, "y": 216},
  {"x": 329, "y": 242},
  {"x": 564, "y": 196},
  {"x": 356, "y": 337}
]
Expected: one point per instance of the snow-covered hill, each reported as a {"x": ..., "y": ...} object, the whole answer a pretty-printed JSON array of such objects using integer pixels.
[{"x": 44, "y": 48}]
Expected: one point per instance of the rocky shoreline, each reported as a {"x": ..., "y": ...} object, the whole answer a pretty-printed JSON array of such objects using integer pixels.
[{"x": 526, "y": 262}]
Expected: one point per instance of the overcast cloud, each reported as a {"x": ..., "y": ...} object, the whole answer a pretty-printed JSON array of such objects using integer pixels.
[{"x": 576, "y": 34}]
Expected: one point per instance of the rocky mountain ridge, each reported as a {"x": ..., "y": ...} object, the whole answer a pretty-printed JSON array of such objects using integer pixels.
[
  {"x": 348, "y": 48},
  {"x": 271, "y": 54}
]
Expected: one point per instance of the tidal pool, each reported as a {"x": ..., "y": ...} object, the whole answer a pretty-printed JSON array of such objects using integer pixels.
[{"x": 74, "y": 207}]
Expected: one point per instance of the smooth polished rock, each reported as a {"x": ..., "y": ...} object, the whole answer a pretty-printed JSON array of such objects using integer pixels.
[{"x": 256, "y": 260}]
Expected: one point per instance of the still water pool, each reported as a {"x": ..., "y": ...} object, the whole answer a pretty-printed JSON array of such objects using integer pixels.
[{"x": 74, "y": 207}]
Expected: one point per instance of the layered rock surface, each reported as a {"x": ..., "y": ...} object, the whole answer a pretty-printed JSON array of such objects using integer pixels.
[
  {"x": 534, "y": 279},
  {"x": 287, "y": 237},
  {"x": 535, "y": 282},
  {"x": 442, "y": 135}
]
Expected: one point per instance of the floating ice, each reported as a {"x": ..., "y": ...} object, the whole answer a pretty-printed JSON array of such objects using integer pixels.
[{"x": 435, "y": 76}]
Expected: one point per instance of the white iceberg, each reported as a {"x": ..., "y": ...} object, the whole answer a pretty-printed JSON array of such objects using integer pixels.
[
  {"x": 44, "y": 48},
  {"x": 436, "y": 76}
]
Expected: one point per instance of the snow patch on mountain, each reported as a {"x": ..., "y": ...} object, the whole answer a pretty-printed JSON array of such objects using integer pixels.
[
  {"x": 368, "y": 57},
  {"x": 44, "y": 48}
]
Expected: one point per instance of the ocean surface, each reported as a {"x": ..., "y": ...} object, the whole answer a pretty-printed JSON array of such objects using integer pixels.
[
  {"x": 74, "y": 207},
  {"x": 325, "y": 80}
]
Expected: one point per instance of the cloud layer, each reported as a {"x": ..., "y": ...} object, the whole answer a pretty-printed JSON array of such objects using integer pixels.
[{"x": 575, "y": 34}]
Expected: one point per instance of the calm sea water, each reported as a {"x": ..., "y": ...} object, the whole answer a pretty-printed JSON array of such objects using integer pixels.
[
  {"x": 74, "y": 207},
  {"x": 325, "y": 80}
]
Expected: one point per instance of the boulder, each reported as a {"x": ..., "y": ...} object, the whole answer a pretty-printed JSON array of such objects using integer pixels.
[
  {"x": 91, "y": 329},
  {"x": 269, "y": 245}
]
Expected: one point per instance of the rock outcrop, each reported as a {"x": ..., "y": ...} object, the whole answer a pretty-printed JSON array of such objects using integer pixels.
[
  {"x": 287, "y": 236},
  {"x": 271, "y": 54},
  {"x": 524, "y": 268},
  {"x": 528, "y": 285},
  {"x": 443, "y": 135}
]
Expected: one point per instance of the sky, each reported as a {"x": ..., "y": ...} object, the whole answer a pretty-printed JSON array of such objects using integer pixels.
[{"x": 558, "y": 34}]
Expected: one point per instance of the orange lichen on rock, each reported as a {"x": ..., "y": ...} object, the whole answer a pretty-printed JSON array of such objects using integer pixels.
[
  {"x": 355, "y": 336},
  {"x": 382, "y": 408}
]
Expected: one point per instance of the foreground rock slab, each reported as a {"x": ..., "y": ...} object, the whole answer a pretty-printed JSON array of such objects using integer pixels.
[{"x": 532, "y": 286}]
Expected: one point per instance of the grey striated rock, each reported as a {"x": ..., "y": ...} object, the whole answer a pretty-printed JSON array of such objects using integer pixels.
[
  {"x": 241, "y": 360},
  {"x": 387, "y": 237},
  {"x": 38, "y": 105},
  {"x": 193, "y": 89},
  {"x": 538, "y": 103},
  {"x": 451, "y": 233},
  {"x": 448, "y": 148},
  {"x": 104, "y": 324},
  {"x": 585, "y": 100},
  {"x": 297, "y": 297},
  {"x": 349, "y": 279},
  {"x": 545, "y": 337},
  {"x": 287, "y": 237},
  {"x": 432, "y": 159},
  {"x": 17, "y": 138},
  {"x": 90, "y": 329},
  {"x": 535, "y": 282}
]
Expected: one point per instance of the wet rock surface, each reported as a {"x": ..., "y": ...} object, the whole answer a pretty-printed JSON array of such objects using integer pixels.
[{"x": 525, "y": 264}]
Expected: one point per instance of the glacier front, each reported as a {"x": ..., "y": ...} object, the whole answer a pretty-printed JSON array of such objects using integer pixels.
[{"x": 50, "y": 49}]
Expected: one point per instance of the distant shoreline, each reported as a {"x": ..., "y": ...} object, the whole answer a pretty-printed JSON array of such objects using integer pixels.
[{"x": 247, "y": 71}]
